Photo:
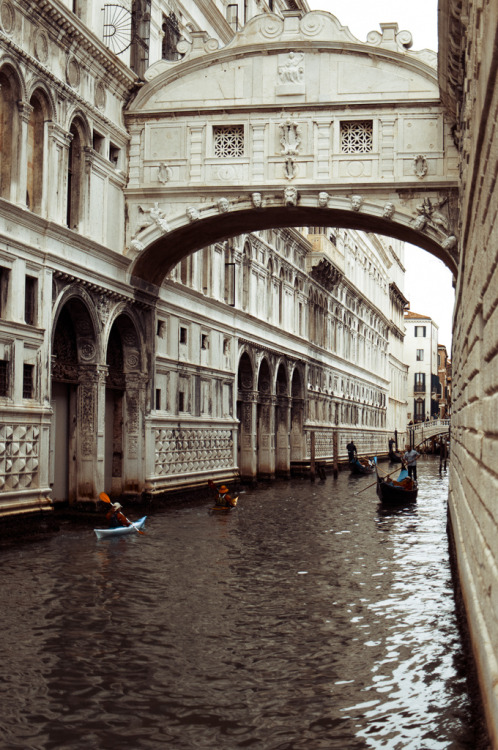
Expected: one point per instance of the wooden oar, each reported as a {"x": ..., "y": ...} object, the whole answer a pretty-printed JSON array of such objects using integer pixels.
[
  {"x": 384, "y": 476},
  {"x": 106, "y": 499}
]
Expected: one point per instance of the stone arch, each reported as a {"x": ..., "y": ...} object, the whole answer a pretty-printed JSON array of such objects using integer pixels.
[
  {"x": 125, "y": 402},
  {"x": 246, "y": 414},
  {"x": 38, "y": 87},
  {"x": 74, "y": 400},
  {"x": 37, "y": 145},
  {"x": 11, "y": 88},
  {"x": 75, "y": 200},
  {"x": 282, "y": 420}
]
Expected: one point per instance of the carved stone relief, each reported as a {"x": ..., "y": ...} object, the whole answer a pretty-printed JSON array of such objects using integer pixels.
[{"x": 181, "y": 451}]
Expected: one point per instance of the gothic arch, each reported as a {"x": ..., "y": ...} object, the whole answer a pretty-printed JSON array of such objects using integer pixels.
[{"x": 11, "y": 70}]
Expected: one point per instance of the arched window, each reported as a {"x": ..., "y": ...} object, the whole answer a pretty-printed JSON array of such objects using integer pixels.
[{"x": 35, "y": 155}]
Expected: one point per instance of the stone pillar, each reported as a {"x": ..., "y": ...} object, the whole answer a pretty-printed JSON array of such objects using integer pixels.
[
  {"x": 266, "y": 437},
  {"x": 25, "y": 111},
  {"x": 59, "y": 141},
  {"x": 89, "y": 413},
  {"x": 297, "y": 437},
  {"x": 134, "y": 433},
  {"x": 247, "y": 436},
  {"x": 283, "y": 448}
]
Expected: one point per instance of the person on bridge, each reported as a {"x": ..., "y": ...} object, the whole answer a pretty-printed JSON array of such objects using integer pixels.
[
  {"x": 352, "y": 452},
  {"x": 410, "y": 459}
]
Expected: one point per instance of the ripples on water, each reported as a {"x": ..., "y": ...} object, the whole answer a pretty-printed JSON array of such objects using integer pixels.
[{"x": 308, "y": 619}]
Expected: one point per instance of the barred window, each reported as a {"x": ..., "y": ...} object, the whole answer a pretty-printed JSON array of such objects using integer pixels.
[
  {"x": 4, "y": 377},
  {"x": 357, "y": 137},
  {"x": 27, "y": 381},
  {"x": 228, "y": 140}
]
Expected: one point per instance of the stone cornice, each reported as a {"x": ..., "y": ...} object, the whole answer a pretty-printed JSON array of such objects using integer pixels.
[
  {"x": 452, "y": 15},
  {"x": 66, "y": 23},
  {"x": 60, "y": 86}
]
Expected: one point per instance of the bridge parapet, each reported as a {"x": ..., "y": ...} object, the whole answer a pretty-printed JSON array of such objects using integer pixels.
[{"x": 425, "y": 430}]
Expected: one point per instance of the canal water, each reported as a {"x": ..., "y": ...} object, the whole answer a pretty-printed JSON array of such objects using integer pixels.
[{"x": 307, "y": 619}]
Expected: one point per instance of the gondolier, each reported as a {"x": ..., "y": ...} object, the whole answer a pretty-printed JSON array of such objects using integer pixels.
[
  {"x": 410, "y": 459},
  {"x": 351, "y": 449}
]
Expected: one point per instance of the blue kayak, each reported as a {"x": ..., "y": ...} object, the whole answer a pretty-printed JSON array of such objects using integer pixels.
[{"x": 121, "y": 530}]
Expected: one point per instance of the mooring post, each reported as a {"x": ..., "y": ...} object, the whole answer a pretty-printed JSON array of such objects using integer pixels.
[
  {"x": 312, "y": 456},
  {"x": 335, "y": 452}
]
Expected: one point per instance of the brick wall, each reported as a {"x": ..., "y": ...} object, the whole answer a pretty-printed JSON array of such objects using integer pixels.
[{"x": 473, "y": 501}]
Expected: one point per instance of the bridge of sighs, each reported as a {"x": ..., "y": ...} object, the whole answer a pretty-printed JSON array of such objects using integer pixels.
[{"x": 295, "y": 122}]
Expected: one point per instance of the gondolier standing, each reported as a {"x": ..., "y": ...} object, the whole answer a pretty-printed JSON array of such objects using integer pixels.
[
  {"x": 410, "y": 459},
  {"x": 351, "y": 449}
]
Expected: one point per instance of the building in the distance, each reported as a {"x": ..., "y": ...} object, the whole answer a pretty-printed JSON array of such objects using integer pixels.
[
  {"x": 444, "y": 375},
  {"x": 421, "y": 349}
]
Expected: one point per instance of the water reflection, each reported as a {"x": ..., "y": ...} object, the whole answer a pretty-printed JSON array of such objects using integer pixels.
[{"x": 306, "y": 619}]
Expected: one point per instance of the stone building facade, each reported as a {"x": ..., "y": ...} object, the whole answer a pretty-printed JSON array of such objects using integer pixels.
[
  {"x": 251, "y": 344},
  {"x": 421, "y": 346}
]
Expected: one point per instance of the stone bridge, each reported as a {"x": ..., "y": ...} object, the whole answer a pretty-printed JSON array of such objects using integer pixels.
[
  {"x": 426, "y": 430},
  {"x": 294, "y": 123}
]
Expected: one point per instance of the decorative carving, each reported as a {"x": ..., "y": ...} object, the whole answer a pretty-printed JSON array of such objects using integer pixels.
[
  {"x": 19, "y": 456},
  {"x": 223, "y": 205},
  {"x": 73, "y": 74},
  {"x": 356, "y": 202},
  {"x": 291, "y": 138},
  {"x": 41, "y": 46},
  {"x": 429, "y": 215},
  {"x": 420, "y": 166},
  {"x": 326, "y": 274},
  {"x": 164, "y": 173},
  {"x": 157, "y": 217},
  {"x": 290, "y": 168},
  {"x": 192, "y": 213},
  {"x": 87, "y": 350},
  {"x": 100, "y": 95},
  {"x": 7, "y": 16},
  {"x": 257, "y": 200},
  {"x": 323, "y": 199},
  {"x": 137, "y": 245},
  {"x": 103, "y": 307},
  {"x": 388, "y": 210},
  {"x": 292, "y": 71},
  {"x": 181, "y": 451},
  {"x": 290, "y": 196}
]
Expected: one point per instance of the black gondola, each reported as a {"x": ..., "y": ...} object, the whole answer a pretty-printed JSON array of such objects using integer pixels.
[
  {"x": 394, "y": 457},
  {"x": 391, "y": 492},
  {"x": 361, "y": 466}
]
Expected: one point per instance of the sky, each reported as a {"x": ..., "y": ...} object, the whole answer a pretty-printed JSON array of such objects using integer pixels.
[{"x": 428, "y": 283}]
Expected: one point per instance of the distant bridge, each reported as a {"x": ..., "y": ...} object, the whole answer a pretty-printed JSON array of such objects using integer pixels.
[{"x": 427, "y": 430}]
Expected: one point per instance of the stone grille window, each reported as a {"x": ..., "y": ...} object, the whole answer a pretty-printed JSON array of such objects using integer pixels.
[
  {"x": 357, "y": 137},
  {"x": 228, "y": 140}
]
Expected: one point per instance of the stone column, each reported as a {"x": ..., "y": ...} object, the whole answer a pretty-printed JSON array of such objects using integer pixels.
[
  {"x": 248, "y": 467},
  {"x": 283, "y": 448},
  {"x": 297, "y": 439},
  {"x": 266, "y": 437},
  {"x": 25, "y": 111},
  {"x": 59, "y": 142},
  {"x": 134, "y": 432},
  {"x": 90, "y": 409}
]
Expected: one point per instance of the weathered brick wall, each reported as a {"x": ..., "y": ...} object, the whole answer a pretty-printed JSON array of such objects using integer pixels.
[{"x": 474, "y": 472}]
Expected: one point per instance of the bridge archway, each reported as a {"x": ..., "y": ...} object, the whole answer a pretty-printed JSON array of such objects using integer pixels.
[{"x": 295, "y": 122}]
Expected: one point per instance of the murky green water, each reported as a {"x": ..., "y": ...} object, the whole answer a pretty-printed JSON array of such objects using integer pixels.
[{"x": 307, "y": 619}]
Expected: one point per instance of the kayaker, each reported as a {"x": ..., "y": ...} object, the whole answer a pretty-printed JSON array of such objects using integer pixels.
[{"x": 115, "y": 518}]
